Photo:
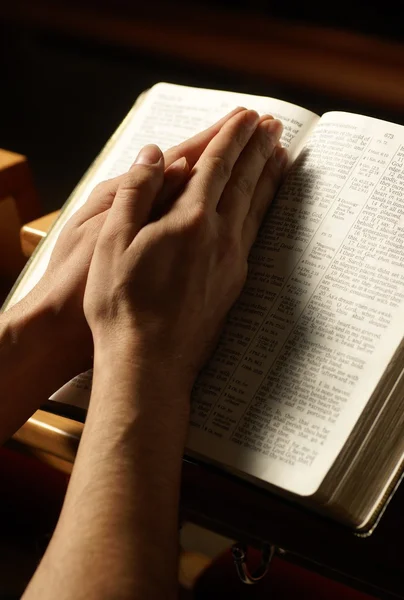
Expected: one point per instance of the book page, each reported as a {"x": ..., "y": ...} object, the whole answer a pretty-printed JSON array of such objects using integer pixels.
[
  {"x": 320, "y": 316},
  {"x": 168, "y": 115}
]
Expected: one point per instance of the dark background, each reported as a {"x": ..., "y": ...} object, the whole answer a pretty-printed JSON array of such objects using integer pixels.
[
  {"x": 63, "y": 93},
  {"x": 65, "y": 86}
]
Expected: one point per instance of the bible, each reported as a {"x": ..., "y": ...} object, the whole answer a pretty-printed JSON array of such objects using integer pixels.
[{"x": 303, "y": 394}]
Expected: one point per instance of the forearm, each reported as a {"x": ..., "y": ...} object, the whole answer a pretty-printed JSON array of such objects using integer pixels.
[
  {"x": 118, "y": 533},
  {"x": 37, "y": 355}
]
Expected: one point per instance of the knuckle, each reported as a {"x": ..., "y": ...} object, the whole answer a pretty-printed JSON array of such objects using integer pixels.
[
  {"x": 244, "y": 185},
  {"x": 108, "y": 238},
  {"x": 190, "y": 227},
  {"x": 143, "y": 179},
  {"x": 264, "y": 147},
  {"x": 243, "y": 131},
  {"x": 134, "y": 181},
  {"x": 219, "y": 167},
  {"x": 196, "y": 222},
  {"x": 101, "y": 187},
  {"x": 242, "y": 136}
]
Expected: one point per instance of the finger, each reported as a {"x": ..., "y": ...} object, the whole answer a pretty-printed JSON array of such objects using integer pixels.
[
  {"x": 103, "y": 195},
  {"x": 265, "y": 191},
  {"x": 136, "y": 193},
  {"x": 192, "y": 149},
  {"x": 213, "y": 170},
  {"x": 235, "y": 202},
  {"x": 175, "y": 178},
  {"x": 99, "y": 201}
]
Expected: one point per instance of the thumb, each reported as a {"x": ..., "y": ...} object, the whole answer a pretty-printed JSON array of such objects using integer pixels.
[{"x": 135, "y": 196}]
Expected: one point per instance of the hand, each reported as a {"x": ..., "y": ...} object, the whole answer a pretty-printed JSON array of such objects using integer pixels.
[
  {"x": 162, "y": 289},
  {"x": 61, "y": 289}
]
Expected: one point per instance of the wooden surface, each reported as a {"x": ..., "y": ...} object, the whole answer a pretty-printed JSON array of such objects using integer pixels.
[
  {"x": 33, "y": 232},
  {"x": 339, "y": 63},
  {"x": 241, "y": 511},
  {"x": 18, "y": 204}
]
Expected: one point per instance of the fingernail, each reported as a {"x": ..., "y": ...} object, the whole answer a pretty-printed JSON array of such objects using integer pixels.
[
  {"x": 274, "y": 128},
  {"x": 280, "y": 156},
  {"x": 149, "y": 155},
  {"x": 251, "y": 118},
  {"x": 180, "y": 165},
  {"x": 266, "y": 117}
]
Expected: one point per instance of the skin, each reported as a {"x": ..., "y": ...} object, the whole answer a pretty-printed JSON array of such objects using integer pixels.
[
  {"x": 53, "y": 312},
  {"x": 166, "y": 257}
]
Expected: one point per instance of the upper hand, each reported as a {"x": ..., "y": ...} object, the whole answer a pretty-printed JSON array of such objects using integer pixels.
[
  {"x": 162, "y": 289},
  {"x": 61, "y": 289}
]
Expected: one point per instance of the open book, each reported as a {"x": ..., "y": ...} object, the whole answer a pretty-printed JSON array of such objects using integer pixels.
[{"x": 303, "y": 394}]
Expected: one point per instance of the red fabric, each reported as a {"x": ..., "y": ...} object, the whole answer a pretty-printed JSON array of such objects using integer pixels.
[
  {"x": 32, "y": 493},
  {"x": 284, "y": 581}
]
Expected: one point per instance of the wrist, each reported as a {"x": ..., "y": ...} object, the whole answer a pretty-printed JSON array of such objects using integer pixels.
[
  {"x": 152, "y": 365},
  {"x": 63, "y": 316},
  {"x": 39, "y": 330},
  {"x": 150, "y": 382},
  {"x": 34, "y": 361}
]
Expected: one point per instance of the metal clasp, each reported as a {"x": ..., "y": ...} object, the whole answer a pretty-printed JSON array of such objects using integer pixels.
[{"x": 239, "y": 552}]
